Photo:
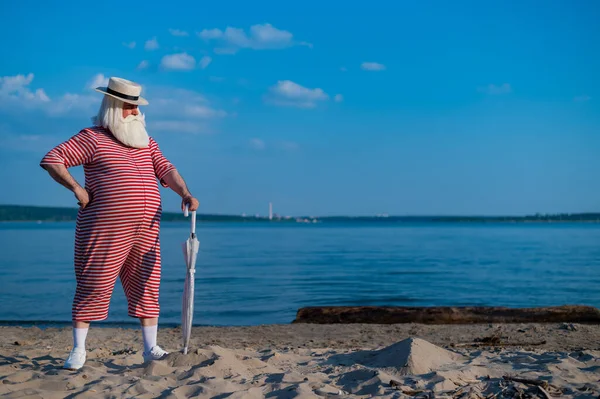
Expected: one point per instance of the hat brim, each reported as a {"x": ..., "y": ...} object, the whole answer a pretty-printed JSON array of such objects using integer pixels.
[{"x": 140, "y": 101}]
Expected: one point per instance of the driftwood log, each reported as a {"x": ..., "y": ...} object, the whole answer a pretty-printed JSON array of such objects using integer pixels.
[{"x": 446, "y": 315}]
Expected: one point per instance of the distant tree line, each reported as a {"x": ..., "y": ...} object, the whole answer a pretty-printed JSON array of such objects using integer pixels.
[
  {"x": 22, "y": 213},
  {"x": 559, "y": 217}
]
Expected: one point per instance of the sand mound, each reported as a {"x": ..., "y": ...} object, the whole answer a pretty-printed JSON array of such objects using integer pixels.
[
  {"x": 412, "y": 356},
  {"x": 178, "y": 359}
]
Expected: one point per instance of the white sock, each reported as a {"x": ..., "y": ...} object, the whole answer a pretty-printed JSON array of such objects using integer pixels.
[
  {"x": 149, "y": 336},
  {"x": 79, "y": 335}
]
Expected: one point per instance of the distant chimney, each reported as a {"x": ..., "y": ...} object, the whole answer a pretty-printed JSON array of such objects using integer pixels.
[{"x": 270, "y": 211}]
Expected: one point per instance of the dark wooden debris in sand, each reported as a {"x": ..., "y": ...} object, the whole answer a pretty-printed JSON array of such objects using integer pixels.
[{"x": 446, "y": 315}]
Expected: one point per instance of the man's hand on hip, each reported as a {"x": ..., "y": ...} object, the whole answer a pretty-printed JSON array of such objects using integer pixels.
[{"x": 82, "y": 196}]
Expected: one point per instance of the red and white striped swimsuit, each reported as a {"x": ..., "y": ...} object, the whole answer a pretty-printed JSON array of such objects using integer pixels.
[{"x": 117, "y": 234}]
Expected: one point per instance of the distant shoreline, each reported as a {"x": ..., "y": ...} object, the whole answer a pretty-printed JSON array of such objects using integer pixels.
[
  {"x": 320, "y": 221},
  {"x": 20, "y": 213}
]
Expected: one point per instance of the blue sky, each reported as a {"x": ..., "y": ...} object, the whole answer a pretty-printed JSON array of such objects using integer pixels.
[{"x": 323, "y": 108}]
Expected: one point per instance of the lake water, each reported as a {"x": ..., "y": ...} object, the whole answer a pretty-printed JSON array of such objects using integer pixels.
[{"x": 249, "y": 274}]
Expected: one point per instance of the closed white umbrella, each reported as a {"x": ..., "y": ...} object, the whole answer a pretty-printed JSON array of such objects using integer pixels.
[{"x": 190, "y": 252}]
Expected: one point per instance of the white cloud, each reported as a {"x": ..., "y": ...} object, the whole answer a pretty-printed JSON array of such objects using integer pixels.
[
  {"x": 257, "y": 144},
  {"x": 372, "y": 66},
  {"x": 204, "y": 61},
  {"x": 266, "y": 36},
  {"x": 261, "y": 145},
  {"x": 98, "y": 81},
  {"x": 288, "y": 93},
  {"x": 30, "y": 137},
  {"x": 16, "y": 89},
  {"x": 151, "y": 44},
  {"x": 582, "y": 99},
  {"x": 170, "y": 109},
  {"x": 26, "y": 142},
  {"x": 181, "y": 61},
  {"x": 178, "y": 126},
  {"x": 208, "y": 34},
  {"x": 259, "y": 37},
  {"x": 225, "y": 51},
  {"x": 177, "y": 32},
  {"x": 143, "y": 65},
  {"x": 181, "y": 110},
  {"x": 165, "y": 97},
  {"x": 73, "y": 102},
  {"x": 203, "y": 111},
  {"x": 492, "y": 89},
  {"x": 338, "y": 98},
  {"x": 165, "y": 104},
  {"x": 289, "y": 146},
  {"x": 130, "y": 45}
]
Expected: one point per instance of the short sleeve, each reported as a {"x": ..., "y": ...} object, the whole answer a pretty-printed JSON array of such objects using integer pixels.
[
  {"x": 162, "y": 166},
  {"x": 78, "y": 150}
]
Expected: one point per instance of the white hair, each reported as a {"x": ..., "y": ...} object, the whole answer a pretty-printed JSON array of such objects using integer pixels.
[{"x": 130, "y": 131}]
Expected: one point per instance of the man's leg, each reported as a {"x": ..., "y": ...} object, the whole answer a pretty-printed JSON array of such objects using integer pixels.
[
  {"x": 141, "y": 281},
  {"x": 99, "y": 257},
  {"x": 149, "y": 332},
  {"x": 80, "y": 330}
]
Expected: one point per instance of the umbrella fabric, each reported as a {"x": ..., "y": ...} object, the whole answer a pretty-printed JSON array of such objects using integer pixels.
[{"x": 190, "y": 252}]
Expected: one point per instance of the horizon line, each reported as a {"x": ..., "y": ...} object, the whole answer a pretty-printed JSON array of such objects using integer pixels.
[{"x": 376, "y": 215}]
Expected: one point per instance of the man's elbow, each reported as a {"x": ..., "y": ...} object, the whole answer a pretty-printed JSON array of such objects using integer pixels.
[{"x": 52, "y": 167}]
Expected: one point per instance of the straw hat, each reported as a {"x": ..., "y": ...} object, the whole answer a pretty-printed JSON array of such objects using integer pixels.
[{"x": 124, "y": 90}]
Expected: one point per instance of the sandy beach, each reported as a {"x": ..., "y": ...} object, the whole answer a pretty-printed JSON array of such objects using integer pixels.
[{"x": 311, "y": 361}]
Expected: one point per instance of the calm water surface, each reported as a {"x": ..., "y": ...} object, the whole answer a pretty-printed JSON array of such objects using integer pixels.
[{"x": 249, "y": 274}]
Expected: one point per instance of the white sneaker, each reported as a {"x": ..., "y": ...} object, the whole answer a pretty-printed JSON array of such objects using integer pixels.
[
  {"x": 156, "y": 353},
  {"x": 75, "y": 360}
]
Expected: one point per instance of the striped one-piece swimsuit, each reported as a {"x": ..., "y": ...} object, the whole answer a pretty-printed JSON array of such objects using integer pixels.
[{"x": 117, "y": 233}]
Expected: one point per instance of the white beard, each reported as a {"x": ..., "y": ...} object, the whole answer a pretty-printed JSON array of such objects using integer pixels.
[{"x": 130, "y": 131}]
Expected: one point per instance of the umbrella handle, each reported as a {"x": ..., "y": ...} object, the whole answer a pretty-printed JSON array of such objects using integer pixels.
[{"x": 193, "y": 222}]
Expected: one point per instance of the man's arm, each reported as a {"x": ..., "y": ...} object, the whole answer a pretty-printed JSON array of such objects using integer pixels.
[
  {"x": 174, "y": 180},
  {"x": 62, "y": 176},
  {"x": 78, "y": 150}
]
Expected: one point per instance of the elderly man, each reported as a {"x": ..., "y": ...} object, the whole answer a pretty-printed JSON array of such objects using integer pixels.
[{"x": 117, "y": 230}]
